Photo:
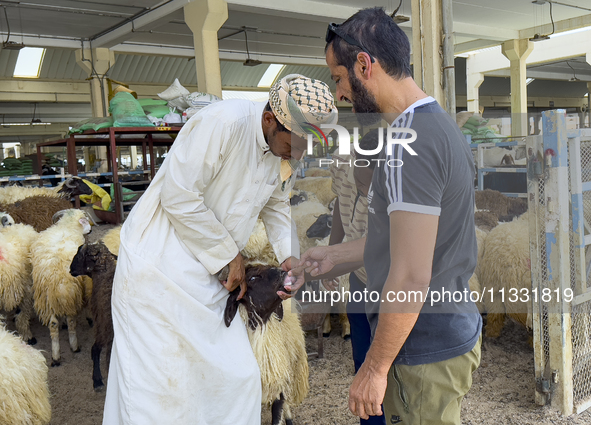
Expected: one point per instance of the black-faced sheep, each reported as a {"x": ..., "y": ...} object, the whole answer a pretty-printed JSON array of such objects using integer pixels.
[
  {"x": 321, "y": 187},
  {"x": 24, "y": 393},
  {"x": 504, "y": 207},
  {"x": 276, "y": 338},
  {"x": 55, "y": 291},
  {"x": 96, "y": 261}
]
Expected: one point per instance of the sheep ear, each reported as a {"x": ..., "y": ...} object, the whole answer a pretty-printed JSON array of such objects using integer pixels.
[
  {"x": 279, "y": 311},
  {"x": 231, "y": 308}
]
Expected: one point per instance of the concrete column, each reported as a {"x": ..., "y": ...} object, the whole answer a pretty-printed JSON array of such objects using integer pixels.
[
  {"x": 473, "y": 82},
  {"x": 205, "y": 18},
  {"x": 427, "y": 40},
  {"x": 96, "y": 63},
  {"x": 517, "y": 52},
  {"x": 133, "y": 156}
]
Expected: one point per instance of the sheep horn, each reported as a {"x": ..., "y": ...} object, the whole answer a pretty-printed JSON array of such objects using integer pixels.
[
  {"x": 58, "y": 215},
  {"x": 69, "y": 183}
]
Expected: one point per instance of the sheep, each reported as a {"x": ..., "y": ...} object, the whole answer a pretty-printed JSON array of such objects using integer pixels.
[
  {"x": 276, "y": 338},
  {"x": 24, "y": 393},
  {"x": 112, "y": 240},
  {"x": 96, "y": 261},
  {"x": 474, "y": 282},
  {"x": 70, "y": 187},
  {"x": 258, "y": 249},
  {"x": 319, "y": 186},
  {"x": 505, "y": 264},
  {"x": 55, "y": 291},
  {"x": 15, "y": 273}
]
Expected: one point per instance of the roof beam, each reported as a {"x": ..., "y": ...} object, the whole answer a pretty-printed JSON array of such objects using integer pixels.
[
  {"x": 189, "y": 52},
  {"x": 31, "y": 40},
  {"x": 487, "y": 33},
  {"x": 555, "y": 49},
  {"x": 301, "y": 9},
  {"x": 118, "y": 34}
]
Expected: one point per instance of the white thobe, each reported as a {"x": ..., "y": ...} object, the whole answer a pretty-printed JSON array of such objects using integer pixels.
[{"x": 173, "y": 360}]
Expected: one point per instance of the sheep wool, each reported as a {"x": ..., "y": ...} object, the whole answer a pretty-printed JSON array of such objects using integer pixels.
[
  {"x": 258, "y": 249},
  {"x": 505, "y": 264},
  {"x": 15, "y": 274},
  {"x": 12, "y": 194},
  {"x": 316, "y": 172},
  {"x": 24, "y": 393},
  {"x": 55, "y": 291},
  {"x": 320, "y": 186},
  {"x": 280, "y": 350},
  {"x": 112, "y": 240},
  {"x": 36, "y": 210}
]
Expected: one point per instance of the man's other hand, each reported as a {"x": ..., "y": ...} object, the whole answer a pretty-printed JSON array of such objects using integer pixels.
[
  {"x": 236, "y": 276},
  {"x": 317, "y": 260}
]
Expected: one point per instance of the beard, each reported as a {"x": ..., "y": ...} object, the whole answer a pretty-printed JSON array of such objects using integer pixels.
[{"x": 366, "y": 108}]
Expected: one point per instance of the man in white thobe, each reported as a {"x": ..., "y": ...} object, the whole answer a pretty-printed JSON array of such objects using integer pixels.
[{"x": 173, "y": 360}]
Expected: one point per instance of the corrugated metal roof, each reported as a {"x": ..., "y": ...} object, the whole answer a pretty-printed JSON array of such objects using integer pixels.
[
  {"x": 7, "y": 62},
  {"x": 60, "y": 64}
]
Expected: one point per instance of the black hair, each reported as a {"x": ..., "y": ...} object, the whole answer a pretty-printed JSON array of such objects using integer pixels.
[
  {"x": 379, "y": 34},
  {"x": 280, "y": 127},
  {"x": 369, "y": 142}
]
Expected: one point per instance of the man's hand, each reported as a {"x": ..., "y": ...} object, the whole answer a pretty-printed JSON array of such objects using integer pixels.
[
  {"x": 317, "y": 260},
  {"x": 294, "y": 279},
  {"x": 367, "y": 392},
  {"x": 331, "y": 284},
  {"x": 236, "y": 276}
]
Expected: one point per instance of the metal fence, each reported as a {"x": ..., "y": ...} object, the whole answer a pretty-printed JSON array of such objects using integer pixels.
[{"x": 559, "y": 197}]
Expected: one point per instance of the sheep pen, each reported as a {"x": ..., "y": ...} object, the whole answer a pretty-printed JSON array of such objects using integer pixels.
[{"x": 502, "y": 390}]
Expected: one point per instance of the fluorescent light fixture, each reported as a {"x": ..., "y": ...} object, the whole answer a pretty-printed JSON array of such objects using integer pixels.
[
  {"x": 28, "y": 64},
  {"x": 270, "y": 75},
  {"x": 10, "y": 124},
  {"x": 528, "y": 81}
]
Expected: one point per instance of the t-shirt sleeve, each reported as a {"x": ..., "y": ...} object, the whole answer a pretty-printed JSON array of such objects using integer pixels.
[{"x": 415, "y": 183}]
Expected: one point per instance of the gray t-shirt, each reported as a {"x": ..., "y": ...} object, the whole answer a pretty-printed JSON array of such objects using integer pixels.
[{"x": 439, "y": 180}]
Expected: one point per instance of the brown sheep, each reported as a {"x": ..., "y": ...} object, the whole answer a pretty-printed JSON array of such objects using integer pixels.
[{"x": 96, "y": 261}]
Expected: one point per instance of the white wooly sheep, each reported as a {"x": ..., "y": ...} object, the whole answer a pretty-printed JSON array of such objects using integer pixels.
[
  {"x": 319, "y": 186},
  {"x": 56, "y": 292},
  {"x": 505, "y": 264},
  {"x": 15, "y": 273},
  {"x": 24, "y": 394}
]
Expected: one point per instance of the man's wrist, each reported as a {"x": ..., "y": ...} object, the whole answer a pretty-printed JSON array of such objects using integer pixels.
[{"x": 377, "y": 366}]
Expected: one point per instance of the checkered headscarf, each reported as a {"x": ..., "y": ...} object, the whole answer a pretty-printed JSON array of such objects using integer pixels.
[{"x": 296, "y": 100}]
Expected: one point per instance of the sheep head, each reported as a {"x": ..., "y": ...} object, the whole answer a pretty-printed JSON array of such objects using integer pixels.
[
  {"x": 6, "y": 220},
  {"x": 86, "y": 259},
  {"x": 72, "y": 214},
  {"x": 73, "y": 186},
  {"x": 261, "y": 299},
  {"x": 321, "y": 227}
]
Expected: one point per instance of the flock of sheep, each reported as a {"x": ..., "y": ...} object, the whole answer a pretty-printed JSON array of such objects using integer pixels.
[{"x": 47, "y": 269}]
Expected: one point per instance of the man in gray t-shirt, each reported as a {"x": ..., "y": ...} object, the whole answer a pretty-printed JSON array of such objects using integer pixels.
[
  {"x": 437, "y": 181},
  {"x": 421, "y": 245}
]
